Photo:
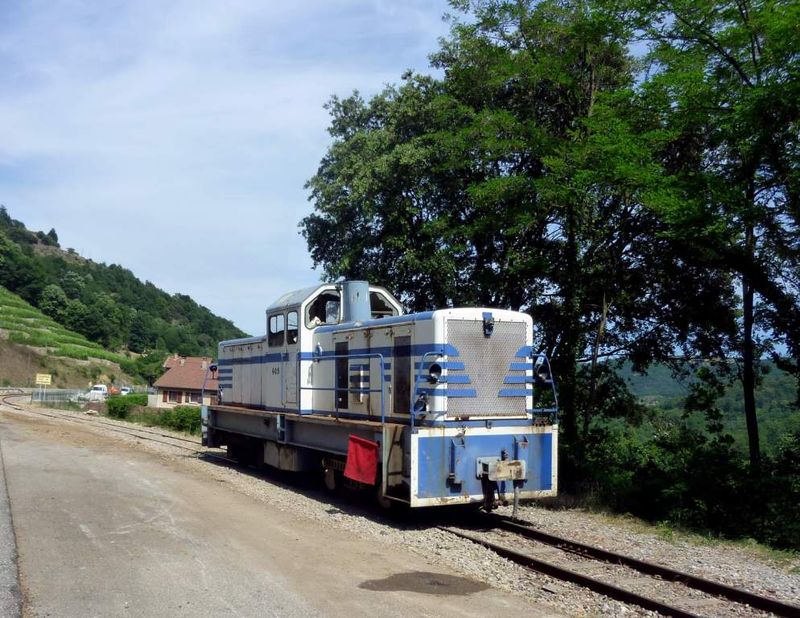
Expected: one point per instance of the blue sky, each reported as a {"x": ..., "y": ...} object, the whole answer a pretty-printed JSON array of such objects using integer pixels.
[{"x": 174, "y": 138}]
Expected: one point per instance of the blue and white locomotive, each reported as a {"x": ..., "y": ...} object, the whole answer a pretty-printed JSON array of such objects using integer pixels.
[{"x": 444, "y": 407}]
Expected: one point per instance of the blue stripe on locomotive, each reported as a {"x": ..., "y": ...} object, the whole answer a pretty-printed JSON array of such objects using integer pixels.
[{"x": 440, "y": 456}]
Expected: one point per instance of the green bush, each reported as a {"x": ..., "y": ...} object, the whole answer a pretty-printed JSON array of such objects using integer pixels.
[
  {"x": 148, "y": 366},
  {"x": 120, "y": 406},
  {"x": 780, "y": 495},
  {"x": 181, "y": 418},
  {"x": 696, "y": 481}
]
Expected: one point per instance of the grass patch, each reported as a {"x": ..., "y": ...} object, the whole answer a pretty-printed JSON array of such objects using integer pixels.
[
  {"x": 11, "y": 300},
  {"x": 20, "y": 312},
  {"x": 786, "y": 558},
  {"x": 72, "y": 406},
  {"x": 84, "y": 353},
  {"x": 10, "y": 321},
  {"x": 46, "y": 337},
  {"x": 26, "y": 325},
  {"x": 31, "y": 327},
  {"x": 79, "y": 351}
]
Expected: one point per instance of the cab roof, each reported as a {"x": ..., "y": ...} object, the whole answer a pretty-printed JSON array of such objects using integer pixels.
[{"x": 296, "y": 297}]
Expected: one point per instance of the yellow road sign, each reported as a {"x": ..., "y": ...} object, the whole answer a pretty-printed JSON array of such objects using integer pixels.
[{"x": 44, "y": 379}]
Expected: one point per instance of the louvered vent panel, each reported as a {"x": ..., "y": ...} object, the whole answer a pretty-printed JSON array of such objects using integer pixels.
[{"x": 486, "y": 361}]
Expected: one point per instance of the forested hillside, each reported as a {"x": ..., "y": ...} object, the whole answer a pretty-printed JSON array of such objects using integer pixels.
[
  {"x": 665, "y": 394},
  {"x": 628, "y": 173},
  {"x": 107, "y": 304}
]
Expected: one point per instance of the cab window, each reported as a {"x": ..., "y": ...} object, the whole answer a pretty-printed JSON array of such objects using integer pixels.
[
  {"x": 324, "y": 309},
  {"x": 291, "y": 327},
  {"x": 277, "y": 325},
  {"x": 380, "y": 307}
]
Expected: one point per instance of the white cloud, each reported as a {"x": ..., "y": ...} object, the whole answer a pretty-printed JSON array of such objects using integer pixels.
[{"x": 175, "y": 138}]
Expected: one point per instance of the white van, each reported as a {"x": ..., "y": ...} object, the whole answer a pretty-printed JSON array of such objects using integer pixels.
[{"x": 99, "y": 392}]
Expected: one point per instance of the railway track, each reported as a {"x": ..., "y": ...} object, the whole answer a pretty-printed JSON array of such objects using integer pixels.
[
  {"x": 136, "y": 432},
  {"x": 624, "y": 578}
]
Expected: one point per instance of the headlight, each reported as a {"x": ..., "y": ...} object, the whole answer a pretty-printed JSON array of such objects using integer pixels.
[
  {"x": 434, "y": 373},
  {"x": 543, "y": 376},
  {"x": 488, "y": 324}
]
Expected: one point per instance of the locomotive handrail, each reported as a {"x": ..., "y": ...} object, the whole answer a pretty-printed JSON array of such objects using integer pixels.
[
  {"x": 534, "y": 358},
  {"x": 432, "y": 353},
  {"x": 320, "y": 357},
  {"x": 317, "y": 356}
]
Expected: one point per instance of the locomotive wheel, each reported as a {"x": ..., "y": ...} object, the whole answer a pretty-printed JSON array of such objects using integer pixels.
[
  {"x": 247, "y": 452},
  {"x": 330, "y": 477},
  {"x": 384, "y": 502},
  {"x": 235, "y": 451}
]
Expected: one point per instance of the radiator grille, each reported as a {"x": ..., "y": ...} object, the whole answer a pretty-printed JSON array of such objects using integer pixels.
[{"x": 486, "y": 361}]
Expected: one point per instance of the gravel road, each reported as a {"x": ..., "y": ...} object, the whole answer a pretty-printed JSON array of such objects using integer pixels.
[
  {"x": 105, "y": 527},
  {"x": 10, "y": 597}
]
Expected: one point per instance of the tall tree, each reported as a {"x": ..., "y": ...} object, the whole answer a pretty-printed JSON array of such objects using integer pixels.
[
  {"x": 519, "y": 179},
  {"x": 725, "y": 78}
]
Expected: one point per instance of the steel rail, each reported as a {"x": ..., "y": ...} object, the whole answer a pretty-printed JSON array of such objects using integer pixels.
[
  {"x": 562, "y": 573},
  {"x": 97, "y": 421},
  {"x": 779, "y": 608},
  {"x": 129, "y": 431},
  {"x": 717, "y": 589},
  {"x": 123, "y": 430},
  {"x": 155, "y": 433},
  {"x": 11, "y": 405}
]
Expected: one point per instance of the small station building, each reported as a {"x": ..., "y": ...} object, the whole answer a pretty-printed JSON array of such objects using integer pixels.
[{"x": 189, "y": 380}]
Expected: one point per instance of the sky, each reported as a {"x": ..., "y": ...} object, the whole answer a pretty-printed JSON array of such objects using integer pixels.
[{"x": 175, "y": 138}]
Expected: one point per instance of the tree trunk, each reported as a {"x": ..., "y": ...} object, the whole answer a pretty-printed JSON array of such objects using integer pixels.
[
  {"x": 567, "y": 384},
  {"x": 588, "y": 410},
  {"x": 569, "y": 449},
  {"x": 748, "y": 360},
  {"x": 568, "y": 354}
]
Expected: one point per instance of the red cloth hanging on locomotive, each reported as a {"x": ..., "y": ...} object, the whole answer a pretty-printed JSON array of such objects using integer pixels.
[{"x": 362, "y": 460}]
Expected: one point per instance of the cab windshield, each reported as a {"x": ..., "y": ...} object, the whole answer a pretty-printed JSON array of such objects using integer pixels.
[{"x": 324, "y": 309}]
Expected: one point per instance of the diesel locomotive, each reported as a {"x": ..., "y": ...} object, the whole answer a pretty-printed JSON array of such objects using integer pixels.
[{"x": 452, "y": 406}]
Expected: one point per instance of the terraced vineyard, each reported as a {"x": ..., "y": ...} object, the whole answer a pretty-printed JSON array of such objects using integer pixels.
[{"x": 27, "y": 325}]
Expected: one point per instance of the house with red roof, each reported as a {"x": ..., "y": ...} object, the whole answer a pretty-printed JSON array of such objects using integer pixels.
[{"x": 189, "y": 380}]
